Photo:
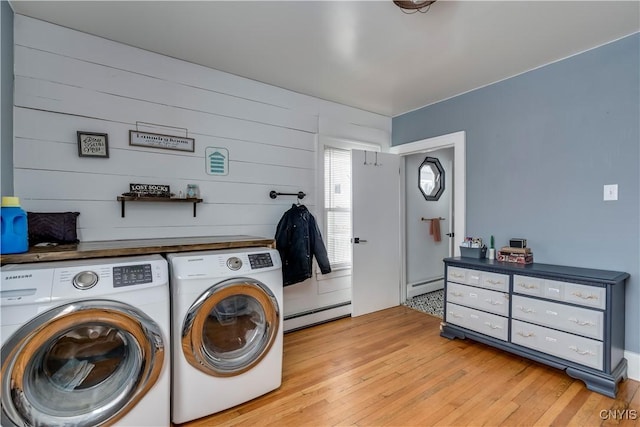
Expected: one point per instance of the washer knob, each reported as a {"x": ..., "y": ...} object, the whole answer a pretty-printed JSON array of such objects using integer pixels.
[
  {"x": 85, "y": 280},
  {"x": 234, "y": 263}
]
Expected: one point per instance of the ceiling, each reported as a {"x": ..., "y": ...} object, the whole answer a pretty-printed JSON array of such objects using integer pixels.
[{"x": 366, "y": 54}]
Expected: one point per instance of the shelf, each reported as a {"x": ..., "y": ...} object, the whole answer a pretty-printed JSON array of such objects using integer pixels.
[{"x": 123, "y": 199}]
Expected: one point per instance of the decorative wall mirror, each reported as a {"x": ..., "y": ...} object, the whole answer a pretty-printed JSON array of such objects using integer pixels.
[{"x": 431, "y": 178}]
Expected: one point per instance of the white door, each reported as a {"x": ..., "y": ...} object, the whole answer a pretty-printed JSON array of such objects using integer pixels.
[{"x": 376, "y": 231}]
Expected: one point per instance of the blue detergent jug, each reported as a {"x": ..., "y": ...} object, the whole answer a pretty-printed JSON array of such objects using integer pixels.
[{"x": 15, "y": 236}]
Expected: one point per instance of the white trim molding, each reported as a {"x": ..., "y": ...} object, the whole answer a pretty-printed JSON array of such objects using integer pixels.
[
  {"x": 633, "y": 365},
  {"x": 456, "y": 140}
]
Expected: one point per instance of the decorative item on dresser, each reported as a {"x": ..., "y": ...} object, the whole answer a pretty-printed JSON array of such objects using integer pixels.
[{"x": 569, "y": 318}]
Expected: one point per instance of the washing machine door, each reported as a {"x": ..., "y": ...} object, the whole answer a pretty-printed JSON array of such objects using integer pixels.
[
  {"x": 81, "y": 364},
  {"x": 230, "y": 327}
]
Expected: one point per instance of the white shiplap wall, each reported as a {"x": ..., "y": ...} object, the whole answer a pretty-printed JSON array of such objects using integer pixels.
[{"x": 67, "y": 81}]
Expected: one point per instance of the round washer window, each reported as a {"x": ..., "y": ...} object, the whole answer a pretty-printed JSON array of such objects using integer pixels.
[{"x": 84, "y": 364}]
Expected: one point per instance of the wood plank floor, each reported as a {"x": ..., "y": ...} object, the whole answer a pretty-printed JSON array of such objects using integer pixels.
[{"x": 392, "y": 368}]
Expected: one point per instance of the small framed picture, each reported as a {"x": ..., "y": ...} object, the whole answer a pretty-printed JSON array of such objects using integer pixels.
[{"x": 91, "y": 144}]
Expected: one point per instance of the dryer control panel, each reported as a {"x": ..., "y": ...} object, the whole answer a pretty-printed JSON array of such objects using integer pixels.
[{"x": 207, "y": 265}]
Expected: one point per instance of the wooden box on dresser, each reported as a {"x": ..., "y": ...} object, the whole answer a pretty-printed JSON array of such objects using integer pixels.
[{"x": 569, "y": 318}]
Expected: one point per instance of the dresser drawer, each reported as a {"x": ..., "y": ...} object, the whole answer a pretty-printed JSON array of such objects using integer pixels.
[
  {"x": 484, "y": 279},
  {"x": 581, "y": 321},
  {"x": 463, "y": 275},
  {"x": 590, "y": 296},
  {"x": 479, "y": 321},
  {"x": 528, "y": 285},
  {"x": 567, "y": 346},
  {"x": 483, "y": 299},
  {"x": 495, "y": 281}
]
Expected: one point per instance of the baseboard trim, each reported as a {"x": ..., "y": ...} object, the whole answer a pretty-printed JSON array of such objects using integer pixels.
[{"x": 633, "y": 365}]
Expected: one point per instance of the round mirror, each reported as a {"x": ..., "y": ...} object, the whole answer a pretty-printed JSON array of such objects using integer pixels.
[{"x": 431, "y": 178}]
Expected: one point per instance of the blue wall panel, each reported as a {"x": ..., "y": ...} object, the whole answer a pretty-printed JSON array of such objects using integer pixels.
[{"x": 540, "y": 147}]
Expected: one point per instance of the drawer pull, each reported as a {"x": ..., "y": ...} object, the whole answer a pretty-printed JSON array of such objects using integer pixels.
[
  {"x": 456, "y": 315},
  {"x": 581, "y": 322},
  {"x": 456, "y": 294},
  {"x": 526, "y": 309},
  {"x": 494, "y": 282},
  {"x": 457, "y": 275},
  {"x": 581, "y": 352},
  {"x": 492, "y": 326},
  {"x": 527, "y": 286},
  {"x": 493, "y": 302},
  {"x": 526, "y": 334},
  {"x": 583, "y": 296}
]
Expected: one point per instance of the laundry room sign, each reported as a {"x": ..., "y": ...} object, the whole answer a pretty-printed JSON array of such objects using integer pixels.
[
  {"x": 216, "y": 161},
  {"x": 156, "y": 140}
]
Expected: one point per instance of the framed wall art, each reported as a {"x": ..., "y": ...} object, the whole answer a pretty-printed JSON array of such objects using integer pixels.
[{"x": 92, "y": 144}]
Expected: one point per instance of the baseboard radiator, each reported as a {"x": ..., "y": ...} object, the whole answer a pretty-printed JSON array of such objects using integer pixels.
[
  {"x": 316, "y": 316},
  {"x": 425, "y": 286}
]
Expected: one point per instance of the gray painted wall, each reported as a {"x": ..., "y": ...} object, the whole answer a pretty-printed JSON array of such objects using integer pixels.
[
  {"x": 540, "y": 147},
  {"x": 6, "y": 92},
  {"x": 424, "y": 255}
]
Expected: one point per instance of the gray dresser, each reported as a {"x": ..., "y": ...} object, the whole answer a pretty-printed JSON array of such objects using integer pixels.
[{"x": 567, "y": 317}]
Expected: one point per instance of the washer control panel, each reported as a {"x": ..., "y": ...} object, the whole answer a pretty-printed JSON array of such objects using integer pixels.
[
  {"x": 261, "y": 260},
  {"x": 130, "y": 275}
]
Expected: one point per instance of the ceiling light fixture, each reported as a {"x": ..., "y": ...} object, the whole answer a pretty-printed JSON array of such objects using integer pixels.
[{"x": 413, "y": 6}]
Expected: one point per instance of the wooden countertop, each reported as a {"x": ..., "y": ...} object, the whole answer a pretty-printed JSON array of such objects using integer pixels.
[{"x": 113, "y": 248}]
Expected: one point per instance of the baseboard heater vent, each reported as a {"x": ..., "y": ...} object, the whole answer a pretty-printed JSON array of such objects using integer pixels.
[
  {"x": 316, "y": 316},
  {"x": 426, "y": 282}
]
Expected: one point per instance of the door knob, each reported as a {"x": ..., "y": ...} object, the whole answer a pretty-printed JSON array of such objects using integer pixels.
[
  {"x": 357, "y": 240},
  {"x": 450, "y": 234}
]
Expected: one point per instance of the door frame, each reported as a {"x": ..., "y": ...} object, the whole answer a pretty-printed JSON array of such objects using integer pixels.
[{"x": 457, "y": 141}]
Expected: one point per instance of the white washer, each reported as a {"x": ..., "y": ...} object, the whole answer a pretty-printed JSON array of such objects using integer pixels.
[
  {"x": 86, "y": 343},
  {"x": 227, "y": 329}
]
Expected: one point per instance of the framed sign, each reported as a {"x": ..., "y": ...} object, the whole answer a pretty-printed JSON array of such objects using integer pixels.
[
  {"x": 156, "y": 140},
  {"x": 150, "y": 190},
  {"x": 91, "y": 144}
]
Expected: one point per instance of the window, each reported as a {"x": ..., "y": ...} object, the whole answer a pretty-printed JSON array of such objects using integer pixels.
[
  {"x": 334, "y": 180},
  {"x": 337, "y": 206}
]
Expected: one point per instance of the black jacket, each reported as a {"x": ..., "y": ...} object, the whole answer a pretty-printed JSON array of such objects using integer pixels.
[{"x": 298, "y": 239}]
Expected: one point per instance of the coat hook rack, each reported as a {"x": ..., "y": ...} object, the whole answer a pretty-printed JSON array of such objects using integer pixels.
[{"x": 273, "y": 194}]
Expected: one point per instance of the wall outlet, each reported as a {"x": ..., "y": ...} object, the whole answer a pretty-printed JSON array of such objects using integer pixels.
[{"x": 610, "y": 192}]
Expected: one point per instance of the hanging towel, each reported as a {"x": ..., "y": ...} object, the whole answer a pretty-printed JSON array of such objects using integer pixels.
[{"x": 434, "y": 229}]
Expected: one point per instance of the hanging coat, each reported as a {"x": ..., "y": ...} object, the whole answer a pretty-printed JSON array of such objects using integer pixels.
[{"x": 298, "y": 240}]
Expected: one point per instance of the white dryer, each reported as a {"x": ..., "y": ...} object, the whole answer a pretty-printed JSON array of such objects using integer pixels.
[
  {"x": 85, "y": 343},
  {"x": 227, "y": 330}
]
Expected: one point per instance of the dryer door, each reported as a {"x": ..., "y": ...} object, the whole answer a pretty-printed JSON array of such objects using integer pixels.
[
  {"x": 82, "y": 364},
  {"x": 230, "y": 327}
]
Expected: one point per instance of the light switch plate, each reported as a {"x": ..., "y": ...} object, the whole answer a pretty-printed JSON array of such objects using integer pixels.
[{"x": 610, "y": 192}]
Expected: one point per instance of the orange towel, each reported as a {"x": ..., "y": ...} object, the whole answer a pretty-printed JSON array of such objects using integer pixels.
[{"x": 434, "y": 229}]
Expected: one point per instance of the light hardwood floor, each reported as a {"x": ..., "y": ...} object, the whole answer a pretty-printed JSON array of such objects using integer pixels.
[{"x": 392, "y": 368}]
